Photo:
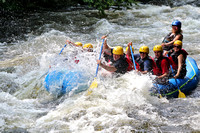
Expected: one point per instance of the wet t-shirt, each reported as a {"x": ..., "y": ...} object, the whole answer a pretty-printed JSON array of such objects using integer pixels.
[{"x": 121, "y": 65}]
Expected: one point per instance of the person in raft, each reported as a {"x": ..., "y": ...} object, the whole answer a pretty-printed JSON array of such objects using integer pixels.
[
  {"x": 119, "y": 65},
  {"x": 175, "y": 34},
  {"x": 88, "y": 46},
  {"x": 161, "y": 65},
  {"x": 178, "y": 60},
  {"x": 144, "y": 61},
  {"x": 108, "y": 54}
]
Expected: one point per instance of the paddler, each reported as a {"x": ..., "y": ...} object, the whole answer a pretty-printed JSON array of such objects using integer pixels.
[
  {"x": 119, "y": 64},
  {"x": 175, "y": 34},
  {"x": 178, "y": 60},
  {"x": 144, "y": 61},
  {"x": 161, "y": 65}
]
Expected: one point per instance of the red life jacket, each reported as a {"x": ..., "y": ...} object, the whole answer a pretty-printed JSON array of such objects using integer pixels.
[
  {"x": 160, "y": 66},
  {"x": 130, "y": 64}
]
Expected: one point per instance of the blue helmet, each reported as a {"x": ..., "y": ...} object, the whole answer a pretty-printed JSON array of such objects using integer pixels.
[{"x": 176, "y": 23}]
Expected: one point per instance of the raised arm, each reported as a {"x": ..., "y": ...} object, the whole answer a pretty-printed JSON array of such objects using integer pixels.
[
  {"x": 178, "y": 37},
  {"x": 69, "y": 42},
  {"x": 180, "y": 60},
  {"x": 105, "y": 46},
  {"x": 128, "y": 52}
]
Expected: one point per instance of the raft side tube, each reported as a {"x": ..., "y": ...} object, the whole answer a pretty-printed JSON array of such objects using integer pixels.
[{"x": 186, "y": 85}]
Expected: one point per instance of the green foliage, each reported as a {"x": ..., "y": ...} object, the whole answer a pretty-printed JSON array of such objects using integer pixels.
[{"x": 102, "y": 5}]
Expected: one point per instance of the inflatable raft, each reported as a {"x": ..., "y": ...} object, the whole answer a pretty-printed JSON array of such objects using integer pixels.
[
  {"x": 60, "y": 82},
  {"x": 186, "y": 85}
]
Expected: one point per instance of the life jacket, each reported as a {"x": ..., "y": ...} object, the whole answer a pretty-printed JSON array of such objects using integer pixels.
[
  {"x": 140, "y": 62},
  {"x": 130, "y": 64},
  {"x": 170, "y": 37},
  {"x": 157, "y": 68},
  {"x": 174, "y": 59}
]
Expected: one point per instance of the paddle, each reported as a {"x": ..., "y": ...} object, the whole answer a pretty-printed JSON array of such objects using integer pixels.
[
  {"x": 36, "y": 85},
  {"x": 181, "y": 94},
  {"x": 62, "y": 49},
  {"x": 59, "y": 54},
  {"x": 94, "y": 83},
  {"x": 132, "y": 57}
]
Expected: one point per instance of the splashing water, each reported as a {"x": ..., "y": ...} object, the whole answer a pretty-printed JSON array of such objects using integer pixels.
[{"x": 120, "y": 104}]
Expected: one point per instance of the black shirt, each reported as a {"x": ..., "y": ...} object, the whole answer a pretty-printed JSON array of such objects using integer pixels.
[
  {"x": 109, "y": 58},
  {"x": 121, "y": 65}
]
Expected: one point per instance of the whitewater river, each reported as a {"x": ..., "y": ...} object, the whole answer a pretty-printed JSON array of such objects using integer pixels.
[{"x": 118, "y": 104}]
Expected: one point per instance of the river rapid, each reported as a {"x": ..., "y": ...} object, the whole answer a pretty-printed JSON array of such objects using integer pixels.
[{"x": 118, "y": 104}]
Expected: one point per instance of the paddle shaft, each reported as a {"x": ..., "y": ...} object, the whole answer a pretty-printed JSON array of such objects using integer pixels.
[
  {"x": 62, "y": 49},
  {"x": 132, "y": 57},
  {"x": 59, "y": 54},
  {"x": 48, "y": 69},
  {"x": 99, "y": 58}
]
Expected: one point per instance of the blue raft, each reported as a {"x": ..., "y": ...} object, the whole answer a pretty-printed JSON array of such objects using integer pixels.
[
  {"x": 62, "y": 82},
  {"x": 186, "y": 85}
]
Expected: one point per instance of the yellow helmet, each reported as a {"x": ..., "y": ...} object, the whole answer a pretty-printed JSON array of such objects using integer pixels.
[
  {"x": 158, "y": 48},
  {"x": 132, "y": 49},
  {"x": 144, "y": 49},
  {"x": 79, "y": 43},
  {"x": 178, "y": 42},
  {"x": 88, "y": 45},
  {"x": 118, "y": 50}
]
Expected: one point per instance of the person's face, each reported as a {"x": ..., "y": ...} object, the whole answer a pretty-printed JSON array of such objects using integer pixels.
[
  {"x": 143, "y": 55},
  {"x": 116, "y": 57},
  {"x": 174, "y": 28},
  {"x": 157, "y": 54},
  {"x": 177, "y": 48}
]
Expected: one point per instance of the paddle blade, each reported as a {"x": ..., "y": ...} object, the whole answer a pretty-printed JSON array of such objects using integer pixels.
[
  {"x": 181, "y": 94},
  {"x": 160, "y": 96},
  {"x": 92, "y": 86}
]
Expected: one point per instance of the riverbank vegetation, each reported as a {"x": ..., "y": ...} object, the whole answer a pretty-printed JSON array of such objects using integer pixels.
[{"x": 30, "y": 5}]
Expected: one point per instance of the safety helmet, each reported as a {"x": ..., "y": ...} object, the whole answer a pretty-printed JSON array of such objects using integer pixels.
[
  {"x": 176, "y": 23},
  {"x": 88, "y": 45},
  {"x": 132, "y": 49},
  {"x": 144, "y": 49},
  {"x": 118, "y": 50},
  {"x": 79, "y": 43},
  {"x": 178, "y": 42},
  {"x": 158, "y": 48}
]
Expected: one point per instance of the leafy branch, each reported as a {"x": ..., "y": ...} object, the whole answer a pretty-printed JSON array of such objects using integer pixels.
[{"x": 102, "y": 5}]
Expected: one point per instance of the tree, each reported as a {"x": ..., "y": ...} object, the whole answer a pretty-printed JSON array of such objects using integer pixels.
[{"x": 102, "y": 5}]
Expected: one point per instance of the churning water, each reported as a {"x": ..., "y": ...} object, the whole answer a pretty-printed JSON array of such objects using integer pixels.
[{"x": 118, "y": 104}]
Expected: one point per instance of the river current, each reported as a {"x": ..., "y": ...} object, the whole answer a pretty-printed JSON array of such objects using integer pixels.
[{"x": 118, "y": 104}]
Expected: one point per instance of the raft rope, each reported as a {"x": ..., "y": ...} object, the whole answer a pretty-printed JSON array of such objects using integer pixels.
[{"x": 186, "y": 81}]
